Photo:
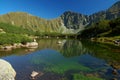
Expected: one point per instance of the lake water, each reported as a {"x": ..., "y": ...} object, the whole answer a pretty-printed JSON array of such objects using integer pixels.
[{"x": 69, "y": 60}]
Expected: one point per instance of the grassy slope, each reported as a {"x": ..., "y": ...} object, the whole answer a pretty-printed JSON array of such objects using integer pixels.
[
  {"x": 12, "y": 34},
  {"x": 33, "y": 23}
]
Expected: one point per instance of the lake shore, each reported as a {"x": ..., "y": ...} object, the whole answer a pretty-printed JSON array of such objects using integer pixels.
[
  {"x": 9, "y": 47},
  {"x": 108, "y": 40}
]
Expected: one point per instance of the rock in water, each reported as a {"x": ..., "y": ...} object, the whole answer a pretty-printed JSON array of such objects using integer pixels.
[
  {"x": 6, "y": 71},
  {"x": 59, "y": 42},
  {"x": 34, "y": 74}
]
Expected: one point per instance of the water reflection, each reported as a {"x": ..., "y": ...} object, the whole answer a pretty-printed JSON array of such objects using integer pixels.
[
  {"x": 107, "y": 52},
  {"x": 70, "y": 48},
  {"x": 17, "y": 52},
  {"x": 73, "y": 48},
  {"x": 51, "y": 44},
  {"x": 64, "y": 59}
]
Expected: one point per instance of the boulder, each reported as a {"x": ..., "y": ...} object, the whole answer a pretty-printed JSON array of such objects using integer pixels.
[
  {"x": 6, "y": 48},
  {"x": 30, "y": 45},
  {"x": 33, "y": 44},
  {"x": 6, "y": 71}
]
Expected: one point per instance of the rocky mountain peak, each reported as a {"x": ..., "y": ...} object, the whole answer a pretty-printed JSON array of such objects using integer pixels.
[
  {"x": 73, "y": 20},
  {"x": 115, "y": 7}
]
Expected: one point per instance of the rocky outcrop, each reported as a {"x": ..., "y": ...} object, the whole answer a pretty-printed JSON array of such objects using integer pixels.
[
  {"x": 2, "y": 31},
  {"x": 30, "y": 45},
  {"x": 74, "y": 20},
  {"x": 111, "y": 13},
  {"x": 6, "y": 71},
  {"x": 10, "y": 47}
]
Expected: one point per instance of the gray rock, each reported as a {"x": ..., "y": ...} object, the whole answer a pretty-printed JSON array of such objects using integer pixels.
[
  {"x": 6, "y": 71},
  {"x": 30, "y": 45}
]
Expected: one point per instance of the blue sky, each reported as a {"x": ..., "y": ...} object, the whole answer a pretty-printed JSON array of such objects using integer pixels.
[{"x": 54, "y": 8}]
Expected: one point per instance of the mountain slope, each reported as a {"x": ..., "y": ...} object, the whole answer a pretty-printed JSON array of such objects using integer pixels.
[
  {"x": 109, "y": 14},
  {"x": 34, "y": 23},
  {"x": 68, "y": 22}
]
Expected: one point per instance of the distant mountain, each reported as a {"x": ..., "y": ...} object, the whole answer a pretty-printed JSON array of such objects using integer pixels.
[
  {"x": 68, "y": 22},
  {"x": 74, "y": 20},
  {"x": 77, "y": 21},
  {"x": 115, "y": 7},
  {"x": 34, "y": 23},
  {"x": 111, "y": 13}
]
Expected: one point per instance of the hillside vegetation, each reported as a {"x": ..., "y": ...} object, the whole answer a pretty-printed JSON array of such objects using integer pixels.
[
  {"x": 103, "y": 28},
  {"x": 6, "y": 27},
  {"x": 36, "y": 24},
  {"x": 10, "y": 34},
  {"x": 13, "y": 38}
]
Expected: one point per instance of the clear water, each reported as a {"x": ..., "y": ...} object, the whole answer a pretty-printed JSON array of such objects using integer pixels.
[{"x": 70, "y": 60}]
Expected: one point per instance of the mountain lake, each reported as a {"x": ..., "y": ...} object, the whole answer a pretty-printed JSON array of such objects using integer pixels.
[{"x": 61, "y": 59}]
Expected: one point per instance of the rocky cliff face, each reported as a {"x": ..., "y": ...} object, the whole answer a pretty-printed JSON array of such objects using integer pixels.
[
  {"x": 111, "y": 13},
  {"x": 74, "y": 20},
  {"x": 68, "y": 22}
]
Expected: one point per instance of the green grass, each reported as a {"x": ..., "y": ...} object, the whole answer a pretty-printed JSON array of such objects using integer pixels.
[
  {"x": 9, "y": 38},
  {"x": 8, "y": 28}
]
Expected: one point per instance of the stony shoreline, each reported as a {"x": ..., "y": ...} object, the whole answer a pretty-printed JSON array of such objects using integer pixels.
[
  {"x": 18, "y": 45},
  {"x": 107, "y": 40}
]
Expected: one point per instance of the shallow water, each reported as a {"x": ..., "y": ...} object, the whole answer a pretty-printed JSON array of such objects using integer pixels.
[{"x": 69, "y": 60}]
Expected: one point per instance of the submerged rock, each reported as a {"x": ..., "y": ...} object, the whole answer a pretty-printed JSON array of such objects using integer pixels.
[
  {"x": 6, "y": 71},
  {"x": 114, "y": 72},
  {"x": 34, "y": 74},
  {"x": 114, "y": 79}
]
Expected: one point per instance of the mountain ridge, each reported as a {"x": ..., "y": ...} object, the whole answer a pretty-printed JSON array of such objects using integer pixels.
[{"x": 68, "y": 22}]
